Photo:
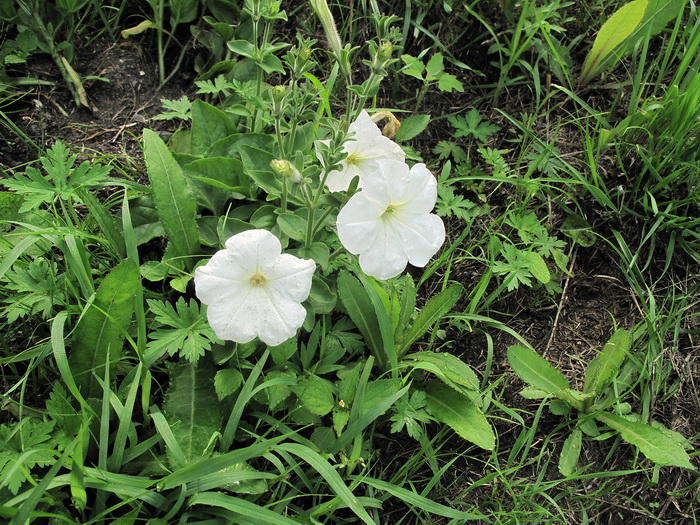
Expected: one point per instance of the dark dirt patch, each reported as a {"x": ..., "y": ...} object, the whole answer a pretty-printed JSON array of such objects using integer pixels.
[{"x": 125, "y": 100}]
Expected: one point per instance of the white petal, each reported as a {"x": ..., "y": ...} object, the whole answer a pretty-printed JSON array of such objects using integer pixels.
[
  {"x": 289, "y": 278},
  {"x": 420, "y": 235},
  {"x": 421, "y": 190},
  {"x": 359, "y": 222},
  {"x": 339, "y": 180},
  {"x": 385, "y": 258},
  {"x": 217, "y": 283}
]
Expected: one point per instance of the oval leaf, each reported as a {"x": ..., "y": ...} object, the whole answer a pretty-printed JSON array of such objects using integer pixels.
[
  {"x": 463, "y": 416},
  {"x": 652, "y": 442},
  {"x": 536, "y": 370}
]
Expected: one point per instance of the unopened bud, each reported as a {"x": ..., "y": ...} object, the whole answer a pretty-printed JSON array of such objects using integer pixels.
[
  {"x": 278, "y": 93},
  {"x": 384, "y": 52},
  {"x": 304, "y": 55},
  {"x": 285, "y": 169}
]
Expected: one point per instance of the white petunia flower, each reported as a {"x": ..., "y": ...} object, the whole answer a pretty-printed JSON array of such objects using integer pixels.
[
  {"x": 389, "y": 223},
  {"x": 252, "y": 289},
  {"x": 365, "y": 148}
]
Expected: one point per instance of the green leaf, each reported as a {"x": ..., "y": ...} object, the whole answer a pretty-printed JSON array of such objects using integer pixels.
[
  {"x": 461, "y": 414},
  {"x": 655, "y": 444},
  {"x": 579, "y": 230},
  {"x": 603, "y": 367},
  {"x": 360, "y": 309},
  {"x": 316, "y": 395},
  {"x": 331, "y": 477},
  {"x": 418, "y": 501},
  {"x": 173, "y": 198},
  {"x": 101, "y": 329},
  {"x": 411, "y": 127},
  {"x": 536, "y": 370},
  {"x": 227, "y": 381},
  {"x": 446, "y": 366},
  {"x": 209, "y": 125},
  {"x": 185, "y": 330},
  {"x": 256, "y": 163},
  {"x": 616, "y": 30},
  {"x": 472, "y": 124},
  {"x": 292, "y": 226},
  {"x": 449, "y": 83},
  {"x": 537, "y": 266},
  {"x": 435, "y": 65},
  {"x": 434, "y": 310},
  {"x": 570, "y": 452},
  {"x": 241, "y": 507},
  {"x": 193, "y": 410}
]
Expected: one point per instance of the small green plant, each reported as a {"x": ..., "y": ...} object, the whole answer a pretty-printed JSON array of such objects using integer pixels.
[
  {"x": 598, "y": 403},
  {"x": 431, "y": 74}
]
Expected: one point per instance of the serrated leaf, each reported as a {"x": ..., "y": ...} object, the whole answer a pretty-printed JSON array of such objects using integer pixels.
[
  {"x": 411, "y": 127},
  {"x": 186, "y": 330},
  {"x": 101, "y": 329},
  {"x": 316, "y": 395},
  {"x": 227, "y": 381},
  {"x": 449, "y": 83},
  {"x": 655, "y": 444},
  {"x": 461, "y": 414},
  {"x": 605, "y": 365},
  {"x": 174, "y": 200},
  {"x": 192, "y": 409},
  {"x": 536, "y": 370}
]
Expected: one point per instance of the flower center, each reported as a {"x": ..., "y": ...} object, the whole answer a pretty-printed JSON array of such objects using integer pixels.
[
  {"x": 257, "y": 279},
  {"x": 389, "y": 211},
  {"x": 353, "y": 158}
]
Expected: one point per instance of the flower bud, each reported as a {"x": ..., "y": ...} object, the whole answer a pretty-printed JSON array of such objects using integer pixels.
[
  {"x": 304, "y": 55},
  {"x": 286, "y": 169},
  {"x": 278, "y": 93},
  {"x": 384, "y": 52}
]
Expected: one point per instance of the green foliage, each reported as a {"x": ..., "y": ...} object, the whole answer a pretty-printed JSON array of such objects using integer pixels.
[
  {"x": 36, "y": 289},
  {"x": 193, "y": 412},
  {"x": 622, "y": 32},
  {"x": 24, "y": 447},
  {"x": 61, "y": 181},
  {"x": 461, "y": 413},
  {"x": 173, "y": 198},
  {"x": 472, "y": 125},
  {"x": 659, "y": 444},
  {"x": 100, "y": 333},
  {"x": 184, "y": 330}
]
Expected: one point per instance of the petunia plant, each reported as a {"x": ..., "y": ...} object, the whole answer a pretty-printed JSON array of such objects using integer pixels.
[{"x": 290, "y": 231}]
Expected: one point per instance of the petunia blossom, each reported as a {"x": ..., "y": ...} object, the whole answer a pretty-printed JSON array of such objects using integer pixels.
[
  {"x": 254, "y": 290},
  {"x": 389, "y": 223},
  {"x": 365, "y": 148}
]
